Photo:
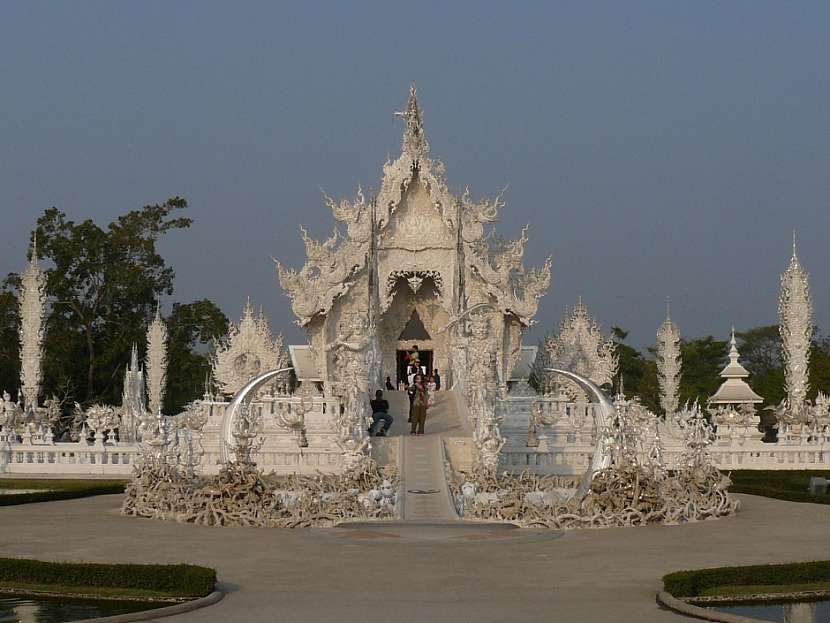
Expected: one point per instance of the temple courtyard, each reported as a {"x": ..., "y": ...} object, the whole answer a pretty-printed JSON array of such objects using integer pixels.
[{"x": 417, "y": 572}]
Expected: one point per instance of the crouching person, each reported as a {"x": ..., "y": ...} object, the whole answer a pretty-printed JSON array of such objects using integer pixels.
[{"x": 380, "y": 413}]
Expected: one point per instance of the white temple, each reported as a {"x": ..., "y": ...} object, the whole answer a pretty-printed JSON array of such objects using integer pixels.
[{"x": 413, "y": 264}]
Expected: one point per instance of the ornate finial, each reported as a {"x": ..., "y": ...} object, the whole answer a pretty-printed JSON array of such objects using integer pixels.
[
  {"x": 414, "y": 139},
  {"x": 795, "y": 255},
  {"x": 668, "y": 308}
]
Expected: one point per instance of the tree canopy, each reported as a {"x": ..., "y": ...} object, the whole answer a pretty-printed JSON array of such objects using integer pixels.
[{"x": 103, "y": 285}]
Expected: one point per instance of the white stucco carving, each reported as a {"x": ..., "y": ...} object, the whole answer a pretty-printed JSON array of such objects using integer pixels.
[
  {"x": 156, "y": 363},
  {"x": 248, "y": 350},
  {"x": 668, "y": 364},
  {"x": 795, "y": 315},
  {"x": 580, "y": 347},
  {"x": 32, "y": 309}
]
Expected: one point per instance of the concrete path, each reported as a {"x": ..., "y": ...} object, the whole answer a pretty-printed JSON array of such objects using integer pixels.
[
  {"x": 388, "y": 573},
  {"x": 426, "y": 497}
]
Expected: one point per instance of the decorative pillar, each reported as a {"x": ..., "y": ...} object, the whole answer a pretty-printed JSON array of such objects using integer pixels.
[
  {"x": 668, "y": 364},
  {"x": 795, "y": 314},
  {"x": 32, "y": 308},
  {"x": 156, "y": 363}
]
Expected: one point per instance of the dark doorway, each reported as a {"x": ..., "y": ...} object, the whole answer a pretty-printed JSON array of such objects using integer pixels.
[{"x": 424, "y": 356}]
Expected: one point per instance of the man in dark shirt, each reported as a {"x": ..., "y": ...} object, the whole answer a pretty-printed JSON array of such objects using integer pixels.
[
  {"x": 380, "y": 411},
  {"x": 437, "y": 378}
]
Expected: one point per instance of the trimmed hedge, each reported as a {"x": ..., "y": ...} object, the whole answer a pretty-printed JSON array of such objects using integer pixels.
[
  {"x": 779, "y": 484},
  {"x": 694, "y": 583},
  {"x": 177, "y": 580},
  {"x": 64, "y": 490}
]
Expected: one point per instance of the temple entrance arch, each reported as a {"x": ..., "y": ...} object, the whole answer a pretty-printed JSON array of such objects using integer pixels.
[{"x": 413, "y": 316}]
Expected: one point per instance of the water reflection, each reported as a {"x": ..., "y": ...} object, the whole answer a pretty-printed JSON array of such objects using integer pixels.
[
  {"x": 61, "y": 610},
  {"x": 795, "y": 612}
]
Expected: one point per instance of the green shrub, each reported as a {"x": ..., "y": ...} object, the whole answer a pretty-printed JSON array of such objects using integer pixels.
[
  {"x": 694, "y": 583},
  {"x": 179, "y": 580}
]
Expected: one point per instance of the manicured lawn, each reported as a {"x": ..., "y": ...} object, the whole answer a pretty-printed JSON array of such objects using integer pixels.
[
  {"x": 779, "y": 484},
  {"x": 46, "y": 490}
]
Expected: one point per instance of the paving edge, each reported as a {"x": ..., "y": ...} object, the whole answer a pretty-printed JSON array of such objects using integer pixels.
[
  {"x": 681, "y": 607},
  {"x": 158, "y": 613}
]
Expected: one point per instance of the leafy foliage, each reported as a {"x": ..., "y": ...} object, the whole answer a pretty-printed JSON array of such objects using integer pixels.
[
  {"x": 191, "y": 328},
  {"x": 176, "y": 580},
  {"x": 703, "y": 359},
  {"x": 694, "y": 583}
]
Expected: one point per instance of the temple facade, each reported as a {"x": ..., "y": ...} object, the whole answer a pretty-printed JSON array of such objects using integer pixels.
[{"x": 414, "y": 265}]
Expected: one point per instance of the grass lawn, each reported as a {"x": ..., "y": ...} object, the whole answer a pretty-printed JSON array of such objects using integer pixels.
[
  {"x": 780, "y": 484},
  {"x": 46, "y": 490}
]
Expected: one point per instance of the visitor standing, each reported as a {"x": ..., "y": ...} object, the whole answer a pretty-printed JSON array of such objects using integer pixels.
[
  {"x": 410, "y": 392},
  {"x": 437, "y": 378},
  {"x": 419, "y": 407},
  {"x": 389, "y": 385}
]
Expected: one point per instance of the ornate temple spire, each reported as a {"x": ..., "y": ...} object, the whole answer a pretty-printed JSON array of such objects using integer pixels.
[
  {"x": 795, "y": 315},
  {"x": 32, "y": 309},
  {"x": 668, "y": 363},
  {"x": 734, "y": 390},
  {"x": 414, "y": 139},
  {"x": 156, "y": 364}
]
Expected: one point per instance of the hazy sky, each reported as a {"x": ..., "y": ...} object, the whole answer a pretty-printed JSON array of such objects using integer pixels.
[{"x": 656, "y": 148}]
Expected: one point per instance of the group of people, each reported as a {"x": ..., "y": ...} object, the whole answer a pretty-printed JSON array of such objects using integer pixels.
[{"x": 421, "y": 392}]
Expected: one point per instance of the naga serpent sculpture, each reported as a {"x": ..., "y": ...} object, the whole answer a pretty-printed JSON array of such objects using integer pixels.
[
  {"x": 244, "y": 395},
  {"x": 602, "y": 417}
]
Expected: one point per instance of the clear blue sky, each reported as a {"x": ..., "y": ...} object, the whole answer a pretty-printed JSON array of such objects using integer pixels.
[{"x": 656, "y": 148}]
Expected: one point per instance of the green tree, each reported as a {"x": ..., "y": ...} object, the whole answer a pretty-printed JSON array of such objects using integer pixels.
[
  {"x": 703, "y": 359},
  {"x": 103, "y": 284},
  {"x": 819, "y": 368},
  {"x": 191, "y": 327},
  {"x": 760, "y": 349},
  {"x": 9, "y": 346},
  {"x": 631, "y": 362}
]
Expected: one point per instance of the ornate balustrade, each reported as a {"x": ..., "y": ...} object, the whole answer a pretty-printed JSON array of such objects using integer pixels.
[{"x": 66, "y": 458}]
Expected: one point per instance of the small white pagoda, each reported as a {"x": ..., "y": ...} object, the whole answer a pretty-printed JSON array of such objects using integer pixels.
[{"x": 734, "y": 402}]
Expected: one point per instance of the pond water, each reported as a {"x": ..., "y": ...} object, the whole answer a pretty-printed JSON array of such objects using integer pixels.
[
  {"x": 61, "y": 610},
  {"x": 796, "y": 612}
]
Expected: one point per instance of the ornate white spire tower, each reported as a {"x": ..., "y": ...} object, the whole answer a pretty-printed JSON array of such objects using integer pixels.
[
  {"x": 668, "y": 363},
  {"x": 32, "y": 309},
  {"x": 795, "y": 316},
  {"x": 156, "y": 363}
]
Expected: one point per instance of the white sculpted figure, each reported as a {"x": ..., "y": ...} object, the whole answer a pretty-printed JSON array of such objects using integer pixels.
[{"x": 352, "y": 357}]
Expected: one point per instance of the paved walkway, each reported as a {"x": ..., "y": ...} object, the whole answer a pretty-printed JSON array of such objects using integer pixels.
[
  {"x": 425, "y": 493},
  {"x": 429, "y": 574}
]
